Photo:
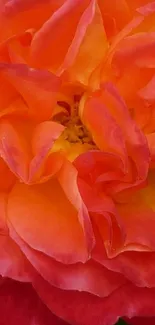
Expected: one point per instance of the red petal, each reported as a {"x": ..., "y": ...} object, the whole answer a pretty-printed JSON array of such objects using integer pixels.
[
  {"x": 13, "y": 263},
  {"x": 19, "y": 304},
  {"x": 140, "y": 321},
  {"x": 81, "y": 308},
  {"x": 133, "y": 266}
]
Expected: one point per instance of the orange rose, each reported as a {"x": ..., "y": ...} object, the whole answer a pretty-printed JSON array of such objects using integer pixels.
[{"x": 77, "y": 160}]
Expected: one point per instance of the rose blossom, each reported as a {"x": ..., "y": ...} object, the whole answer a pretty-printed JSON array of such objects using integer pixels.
[{"x": 77, "y": 157}]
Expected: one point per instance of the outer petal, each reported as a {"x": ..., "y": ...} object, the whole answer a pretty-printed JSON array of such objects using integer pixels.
[
  {"x": 141, "y": 321},
  {"x": 85, "y": 309},
  {"x": 79, "y": 276},
  {"x": 19, "y": 304},
  {"x": 133, "y": 266},
  {"x": 13, "y": 263},
  {"x": 64, "y": 237}
]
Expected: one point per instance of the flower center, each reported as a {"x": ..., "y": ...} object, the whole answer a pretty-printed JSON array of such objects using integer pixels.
[{"x": 75, "y": 139}]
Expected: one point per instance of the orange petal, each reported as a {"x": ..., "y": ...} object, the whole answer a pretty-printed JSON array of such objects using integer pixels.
[
  {"x": 18, "y": 15},
  {"x": 90, "y": 34},
  {"x": 37, "y": 88},
  {"x": 137, "y": 49},
  {"x": 43, "y": 138},
  {"x": 105, "y": 216},
  {"x": 19, "y": 47},
  {"x": 61, "y": 25},
  {"x": 135, "y": 140},
  {"x": 119, "y": 11},
  {"x": 138, "y": 215},
  {"x": 13, "y": 150},
  {"x": 67, "y": 177},
  {"x": 46, "y": 225},
  {"x": 104, "y": 129},
  {"x": 6, "y": 176},
  {"x": 25, "y": 147},
  {"x": 151, "y": 143}
]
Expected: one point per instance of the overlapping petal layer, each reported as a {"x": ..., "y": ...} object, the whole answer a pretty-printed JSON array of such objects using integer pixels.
[{"x": 77, "y": 158}]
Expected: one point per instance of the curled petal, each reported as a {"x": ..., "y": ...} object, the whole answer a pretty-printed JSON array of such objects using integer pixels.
[
  {"x": 147, "y": 92},
  {"x": 105, "y": 131},
  {"x": 43, "y": 139},
  {"x": 25, "y": 147},
  {"x": 137, "y": 210},
  {"x": 67, "y": 177},
  {"x": 105, "y": 216},
  {"x": 135, "y": 140}
]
